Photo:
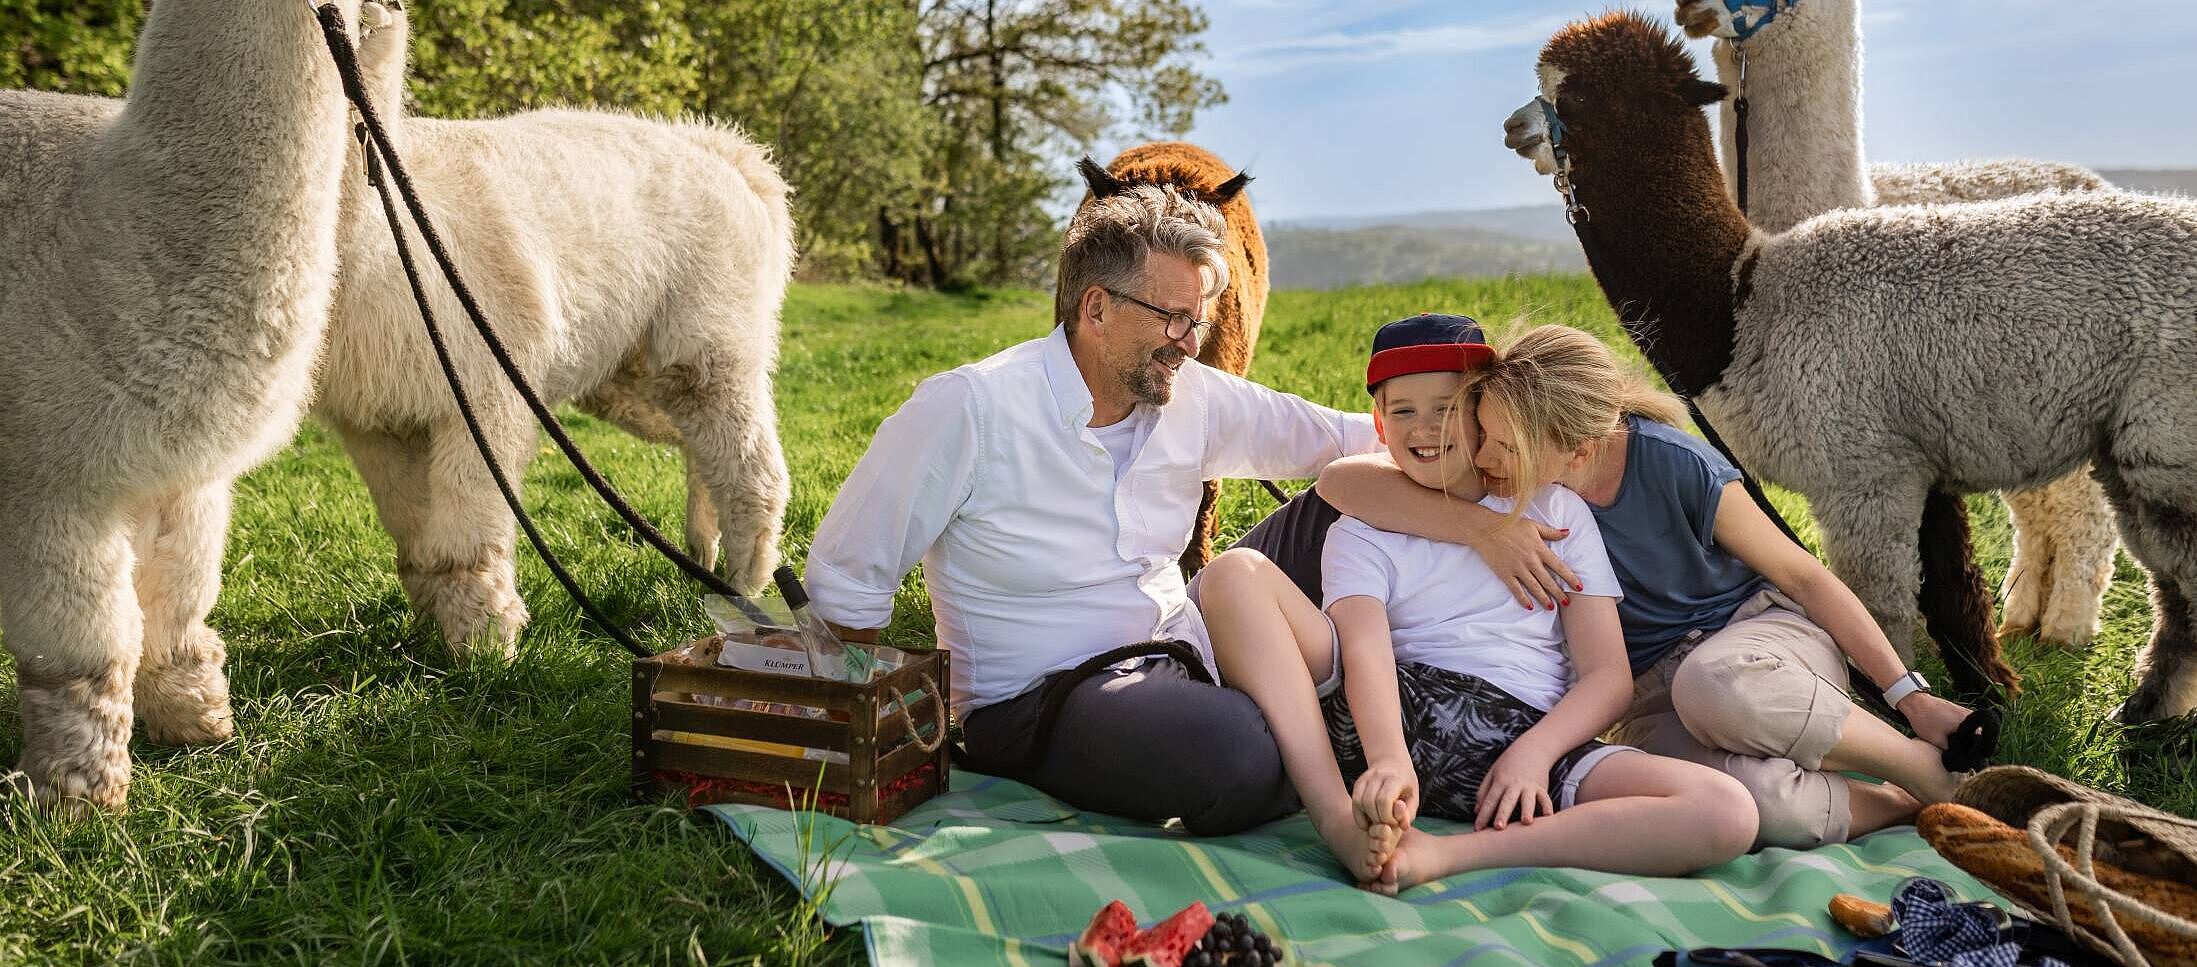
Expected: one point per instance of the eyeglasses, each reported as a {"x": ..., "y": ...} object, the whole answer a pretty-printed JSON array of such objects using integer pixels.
[{"x": 1178, "y": 324}]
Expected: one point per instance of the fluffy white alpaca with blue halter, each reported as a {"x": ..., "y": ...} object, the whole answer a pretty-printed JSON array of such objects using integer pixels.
[
  {"x": 635, "y": 265},
  {"x": 165, "y": 268},
  {"x": 1802, "y": 83},
  {"x": 1868, "y": 357}
]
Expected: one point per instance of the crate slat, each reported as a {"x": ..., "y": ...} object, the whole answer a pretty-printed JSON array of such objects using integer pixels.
[
  {"x": 678, "y": 716},
  {"x": 902, "y": 761},
  {"x": 760, "y": 686},
  {"x": 752, "y": 766}
]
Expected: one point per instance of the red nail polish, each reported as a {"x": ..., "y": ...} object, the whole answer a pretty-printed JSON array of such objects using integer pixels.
[
  {"x": 1579, "y": 587},
  {"x": 1567, "y": 602}
]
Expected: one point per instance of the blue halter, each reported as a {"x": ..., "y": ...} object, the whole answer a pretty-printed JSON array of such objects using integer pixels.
[
  {"x": 1761, "y": 12},
  {"x": 1574, "y": 212}
]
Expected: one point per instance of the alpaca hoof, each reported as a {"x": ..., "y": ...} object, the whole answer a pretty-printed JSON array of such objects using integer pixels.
[
  {"x": 2155, "y": 701},
  {"x": 2012, "y": 630},
  {"x": 178, "y": 725},
  {"x": 2073, "y": 636},
  {"x": 72, "y": 793},
  {"x": 186, "y": 704},
  {"x": 497, "y": 638},
  {"x": 1705, "y": 18}
]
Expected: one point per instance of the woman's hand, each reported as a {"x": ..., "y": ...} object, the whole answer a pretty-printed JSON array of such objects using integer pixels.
[
  {"x": 1517, "y": 550},
  {"x": 1517, "y": 783},
  {"x": 1934, "y": 719},
  {"x": 1387, "y": 793}
]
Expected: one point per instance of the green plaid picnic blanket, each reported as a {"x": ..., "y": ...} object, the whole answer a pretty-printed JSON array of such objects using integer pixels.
[{"x": 998, "y": 873}]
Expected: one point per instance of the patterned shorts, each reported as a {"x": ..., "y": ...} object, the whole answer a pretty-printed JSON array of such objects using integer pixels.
[{"x": 1455, "y": 727}]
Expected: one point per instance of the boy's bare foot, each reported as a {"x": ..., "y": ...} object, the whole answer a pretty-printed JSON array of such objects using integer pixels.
[
  {"x": 1419, "y": 858},
  {"x": 1362, "y": 850}
]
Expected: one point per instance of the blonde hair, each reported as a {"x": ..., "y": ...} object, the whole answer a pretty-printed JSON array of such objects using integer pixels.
[
  {"x": 1562, "y": 389},
  {"x": 1106, "y": 244}
]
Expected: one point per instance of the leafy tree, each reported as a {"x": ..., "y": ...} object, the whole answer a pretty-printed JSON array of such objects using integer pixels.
[
  {"x": 76, "y": 46},
  {"x": 1018, "y": 86},
  {"x": 922, "y": 137}
]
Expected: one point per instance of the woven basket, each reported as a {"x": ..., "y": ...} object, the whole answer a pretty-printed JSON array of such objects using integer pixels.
[{"x": 2117, "y": 875}]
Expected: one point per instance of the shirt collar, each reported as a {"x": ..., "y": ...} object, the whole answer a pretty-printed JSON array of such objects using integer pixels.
[{"x": 1071, "y": 398}]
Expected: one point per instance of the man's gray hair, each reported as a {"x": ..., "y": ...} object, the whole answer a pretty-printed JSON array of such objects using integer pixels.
[{"x": 1107, "y": 242}]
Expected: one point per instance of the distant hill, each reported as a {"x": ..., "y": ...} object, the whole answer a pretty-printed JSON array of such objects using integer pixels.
[
  {"x": 1334, "y": 251},
  {"x": 2171, "y": 181},
  {"x": 1330, "y": 258}
]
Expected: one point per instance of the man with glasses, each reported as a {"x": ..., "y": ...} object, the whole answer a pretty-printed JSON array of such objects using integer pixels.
[{"x": 1048, "y": 492}]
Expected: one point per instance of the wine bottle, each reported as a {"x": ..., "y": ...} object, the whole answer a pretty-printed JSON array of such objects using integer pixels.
[{"x": 828, "y": 656}]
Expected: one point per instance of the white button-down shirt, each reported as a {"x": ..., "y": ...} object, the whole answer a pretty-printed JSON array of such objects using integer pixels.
[{"x": 1036, "y": 557}]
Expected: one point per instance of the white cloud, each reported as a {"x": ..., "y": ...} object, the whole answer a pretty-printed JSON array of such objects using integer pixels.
[{"x": 1338, "y": 47}]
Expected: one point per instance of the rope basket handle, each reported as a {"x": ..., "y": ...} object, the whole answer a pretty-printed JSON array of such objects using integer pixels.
[
  {"x": 900, "y": 706},
  {"x": 2052, "y": 824}
]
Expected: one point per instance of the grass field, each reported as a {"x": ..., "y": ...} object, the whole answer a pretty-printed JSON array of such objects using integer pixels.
[{"x": 386, "y": 804}]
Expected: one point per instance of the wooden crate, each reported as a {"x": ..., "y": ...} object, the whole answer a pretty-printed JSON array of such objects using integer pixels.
[{"x": 679, "y": 743}]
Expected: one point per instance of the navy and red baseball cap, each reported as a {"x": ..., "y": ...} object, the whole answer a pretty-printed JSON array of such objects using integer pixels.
[{"x": 1430, "y": 342}]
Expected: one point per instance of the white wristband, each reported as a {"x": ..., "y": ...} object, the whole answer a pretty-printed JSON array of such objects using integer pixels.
[{"x": 1906, "y": 685}]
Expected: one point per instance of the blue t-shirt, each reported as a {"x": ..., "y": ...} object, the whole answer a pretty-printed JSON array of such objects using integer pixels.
[{"x": 1661, "y": 538}]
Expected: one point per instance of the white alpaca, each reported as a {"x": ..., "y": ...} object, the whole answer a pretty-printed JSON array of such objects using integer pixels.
[
  {"x": 639, "y": 264},
  {"x": 1805, "y": 157},
  {"x": 1869, "y": 356},
  {"x": 167, "y": 267}
]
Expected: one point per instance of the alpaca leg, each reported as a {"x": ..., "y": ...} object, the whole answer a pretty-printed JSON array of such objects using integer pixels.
[
  {"x": 2083, "y": 539},
  {"x": 2029, "y": 573},
  {"x": 721, "y": 401},
  {"x": 1869, "y": 542},
  {"x": 2161, "y": 535},
  {"x": 73, "y": 626},
  {"x": 1872, "y": 540},
  {"x": 394, "y": 466},
  {"x": 460, "y": 569},
  {"x": 1956, "y": 608},
  {"x": 1200, "y": 549},
  {"x": 623, "y": 401},
  {"x": 703, "y": 532},
  {"x": 181, "y": 690}
]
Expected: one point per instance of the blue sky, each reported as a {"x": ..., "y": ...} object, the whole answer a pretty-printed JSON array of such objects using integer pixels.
[{"x": 1389, "y": 106}]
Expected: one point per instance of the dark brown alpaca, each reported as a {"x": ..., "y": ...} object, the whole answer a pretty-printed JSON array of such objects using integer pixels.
[
  {"x": 1239, "y": 308},
  {"x": 1678, "y": 262}
]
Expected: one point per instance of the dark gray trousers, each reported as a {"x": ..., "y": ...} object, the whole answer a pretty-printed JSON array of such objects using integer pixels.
[{"x": 1148, "y": 743}]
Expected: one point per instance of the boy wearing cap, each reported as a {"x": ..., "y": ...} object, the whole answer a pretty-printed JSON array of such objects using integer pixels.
[{"x": 1424, "y": 685}]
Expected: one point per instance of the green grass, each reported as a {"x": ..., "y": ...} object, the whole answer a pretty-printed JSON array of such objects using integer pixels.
[{"x": 386, "y": 804}]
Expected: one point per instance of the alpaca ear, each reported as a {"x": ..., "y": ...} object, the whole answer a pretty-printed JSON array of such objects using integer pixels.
[
  {"x": 1102, "y": 185},
  {"x": 1698, "y": 92},
  {"x": 1228, "y": 190}
]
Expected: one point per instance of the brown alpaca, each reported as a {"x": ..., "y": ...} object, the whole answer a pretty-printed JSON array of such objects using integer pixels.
[{"x": 1239, "y": 308}]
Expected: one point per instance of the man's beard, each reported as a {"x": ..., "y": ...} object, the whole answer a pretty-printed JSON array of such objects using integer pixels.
[{"x": 1148, "y": 386}]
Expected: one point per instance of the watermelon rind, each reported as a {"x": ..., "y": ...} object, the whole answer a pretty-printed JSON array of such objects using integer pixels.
[
  {"x": 1102, "y": 941},
  {"x": 1166, "y": 944}
]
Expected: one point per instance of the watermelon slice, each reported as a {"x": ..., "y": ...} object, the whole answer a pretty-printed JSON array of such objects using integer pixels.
[
  {"x": 1168, "y": 943},
  {"x": 1102, "y": 941}
]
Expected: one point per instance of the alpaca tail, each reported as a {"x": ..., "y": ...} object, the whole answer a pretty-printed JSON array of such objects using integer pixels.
[{"x": 1956, "y": 607}]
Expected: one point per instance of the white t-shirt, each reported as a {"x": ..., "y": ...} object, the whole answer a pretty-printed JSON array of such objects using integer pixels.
[
  {"x": 1120, "y": 439},
  {"x": 1446, "y": 608}
]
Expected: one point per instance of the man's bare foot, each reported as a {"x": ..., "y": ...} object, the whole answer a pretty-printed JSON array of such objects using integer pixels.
[{"x": 1361, "y": 849}]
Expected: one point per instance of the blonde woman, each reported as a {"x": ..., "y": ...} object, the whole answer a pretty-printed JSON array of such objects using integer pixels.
[{"x": 1737, "y": 638}]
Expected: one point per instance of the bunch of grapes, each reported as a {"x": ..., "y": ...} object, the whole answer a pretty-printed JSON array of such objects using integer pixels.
[{"x": 1233, "y": 942}]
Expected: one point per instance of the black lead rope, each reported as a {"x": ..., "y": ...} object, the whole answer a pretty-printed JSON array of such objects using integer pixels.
[
  {"x": 1739, "y": 150},
  {"x": 339, "y": 46}
]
